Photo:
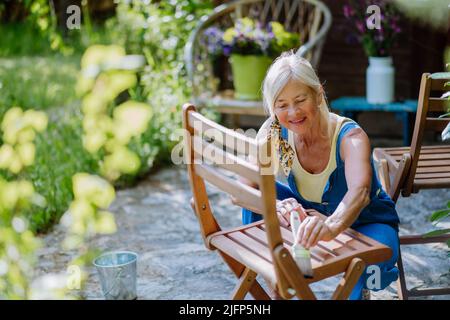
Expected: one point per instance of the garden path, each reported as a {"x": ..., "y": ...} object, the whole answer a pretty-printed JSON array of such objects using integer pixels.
[{"x": 155, "y": 220}]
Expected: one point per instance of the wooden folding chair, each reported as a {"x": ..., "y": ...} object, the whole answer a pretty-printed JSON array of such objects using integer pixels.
[
  {"x": 407, "y": 170},
  {"x": 220, "y": 156}
]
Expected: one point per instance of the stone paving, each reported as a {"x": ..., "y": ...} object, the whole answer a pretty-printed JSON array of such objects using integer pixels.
[{"x": 155, "y": 220}]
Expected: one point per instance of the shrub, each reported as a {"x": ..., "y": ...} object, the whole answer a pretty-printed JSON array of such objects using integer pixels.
[{"x": 159, "y": 31}]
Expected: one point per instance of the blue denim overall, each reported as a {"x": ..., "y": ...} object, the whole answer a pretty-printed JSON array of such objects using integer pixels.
[{"x": 378, "y": 220}]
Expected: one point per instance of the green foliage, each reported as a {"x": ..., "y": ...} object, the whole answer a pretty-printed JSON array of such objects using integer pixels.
[
  {"x": 159, "y": 31},
  {"x": 60, "y": 155},
  {"x": 22, "y": 39},
  {"x": 436, "y": 218},
  {"x": 17, "y": 242},
  {"x": 37, "y": 82}
]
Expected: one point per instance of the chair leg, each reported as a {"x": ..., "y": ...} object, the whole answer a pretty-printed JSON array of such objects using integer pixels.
[
  {"x": 244, "y": 284},
  {"x": 351, "y": 276},
  {"x": 402, "y": 290},
  {"x": 257, "y": 292}
]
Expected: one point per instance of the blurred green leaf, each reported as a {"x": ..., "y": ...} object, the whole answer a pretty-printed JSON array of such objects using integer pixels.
[
  {"x": 440, "y": 214},
  {"x": 437, "y": 233}
]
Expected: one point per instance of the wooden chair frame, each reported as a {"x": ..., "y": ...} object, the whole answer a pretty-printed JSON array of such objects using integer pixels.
[
  {"x": 408, "y": 170},
  {"x": 262, "y": 247}
]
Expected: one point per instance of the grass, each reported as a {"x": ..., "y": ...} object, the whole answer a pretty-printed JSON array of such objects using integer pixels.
[
  {"x": 32, "y": 76},
  {"x": 22, "y": 39},
  {"x": 59, "y": 155},
  {"x": 37, "y": 82}
]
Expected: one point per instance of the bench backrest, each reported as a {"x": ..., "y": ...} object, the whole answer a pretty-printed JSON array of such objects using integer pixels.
[{"x": 431, "y": 105}]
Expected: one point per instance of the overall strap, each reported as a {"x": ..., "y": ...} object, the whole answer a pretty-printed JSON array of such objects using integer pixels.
[
  {"x": 345, "y": 128},
  {"x": 284, "y": 133}
]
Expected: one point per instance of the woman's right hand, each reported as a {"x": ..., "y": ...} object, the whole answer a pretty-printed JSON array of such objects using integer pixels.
[{"x": 284, "y": 209}]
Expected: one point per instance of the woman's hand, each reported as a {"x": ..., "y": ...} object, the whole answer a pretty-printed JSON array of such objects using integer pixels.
[
  {"x": 284, "y": 209},
  {"x": 312, "y": 230}
]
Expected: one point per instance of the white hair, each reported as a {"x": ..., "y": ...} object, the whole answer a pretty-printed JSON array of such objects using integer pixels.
[{"x": 291, "y": 66}]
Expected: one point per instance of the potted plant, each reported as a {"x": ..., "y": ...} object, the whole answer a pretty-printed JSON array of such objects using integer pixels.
[
  {"x": 377, "y": 41},
  {"x": 251, "y": 48}
]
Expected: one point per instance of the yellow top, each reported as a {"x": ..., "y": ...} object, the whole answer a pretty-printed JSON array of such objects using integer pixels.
[{"x": 312, "y": 185}]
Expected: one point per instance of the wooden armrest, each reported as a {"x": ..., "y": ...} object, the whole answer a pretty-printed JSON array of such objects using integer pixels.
[{"x": 422, "y": 239}]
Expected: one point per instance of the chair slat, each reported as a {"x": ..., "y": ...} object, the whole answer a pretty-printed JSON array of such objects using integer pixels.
[
  {"x": 438, "y": 105},
  {"x": 433, "y": 163},
  {"x": 316, "y": 254},
  {"x": 436, "y": 124},
  {"x": 439, "y": 84},
  {"x": 433, "y": 183},
  {"x": 246, "y": 194},
  {"x": 433, "y": 169},
  {"x": 241, "y": 254},
  {"x": 251, "y": 244},
  {"x": 423, "y": 148},
  {"x": 427, "y": 156},
  {"x": 225, "y": 160},
  {"x": 210, "y": 129},
  {"x": 433, "y": 175}
]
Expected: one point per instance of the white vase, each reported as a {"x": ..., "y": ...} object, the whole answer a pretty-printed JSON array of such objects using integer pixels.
[{"x": 380, "y": 77}]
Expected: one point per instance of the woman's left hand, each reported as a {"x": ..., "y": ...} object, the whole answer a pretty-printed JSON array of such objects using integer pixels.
[{"x": 312, "y": 230}]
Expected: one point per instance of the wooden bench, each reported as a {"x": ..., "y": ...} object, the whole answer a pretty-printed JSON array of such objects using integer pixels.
[{"x": 218, "y": 155}]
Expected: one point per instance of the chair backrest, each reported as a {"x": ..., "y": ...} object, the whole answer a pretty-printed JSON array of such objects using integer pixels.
[
  {"x": 431, "y": 106},
  {"x": 310, "y": 18},
  {"x": 220, "y": 156}
]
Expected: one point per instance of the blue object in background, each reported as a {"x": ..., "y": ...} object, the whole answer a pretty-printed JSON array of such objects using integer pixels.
[{"x": 350, "y": 106}]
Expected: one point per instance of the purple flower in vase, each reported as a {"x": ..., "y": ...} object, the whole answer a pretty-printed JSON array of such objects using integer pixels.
[
  {"x": 226, "y": 50},
  {"x": 360, "y": 26},
  {"x": 379, "y": 37},
  {"x": 348, "y": 11},
  {"x": 395, "y": 28}
]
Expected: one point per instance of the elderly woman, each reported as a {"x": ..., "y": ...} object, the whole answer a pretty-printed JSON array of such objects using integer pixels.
[{"x": 327, "y": 161}]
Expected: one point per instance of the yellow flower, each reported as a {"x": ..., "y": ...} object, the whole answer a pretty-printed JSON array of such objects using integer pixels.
[
  {"x": 26, "y": 189},
  {"x": 9, "y": 195},
  {"x": 94, "y": 189},
  {"x": 25, "y": 135},
  {"x": 247, "y": 22},
  {"x": 277, "y": 28},
  {"x": 122, "y": 160},
  {"x": 228, "y": 35},
  {"x": 93, "y": 141},
  {"x": 93, "y": 104},
  {"x": 26, "y": 153},
  {"x": 105, "y": 223},
  {"x": 118, "y": 81},
  {"x": 6, "y": 156},
  {"x": 80, "y": 209},
  {"x": 131, "y": 119},
  {"x": 15, "y": 165},
  {"x": 98, "y": 54},
  {"x": 13, "y": 192},
  {"x": 36, "y": 119},
  {"x": 11, "y": 117}
]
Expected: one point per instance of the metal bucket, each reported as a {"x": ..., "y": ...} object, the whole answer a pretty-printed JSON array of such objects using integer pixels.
[{"x": 117, "y": 270}]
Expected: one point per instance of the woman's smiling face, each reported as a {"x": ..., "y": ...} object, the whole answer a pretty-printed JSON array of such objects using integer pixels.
[{"x": 296, "y": 107}]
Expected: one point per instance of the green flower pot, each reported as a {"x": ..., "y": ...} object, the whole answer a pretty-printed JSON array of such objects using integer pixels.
[{"x": 248, "y": 74}]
